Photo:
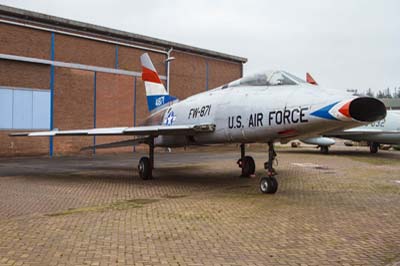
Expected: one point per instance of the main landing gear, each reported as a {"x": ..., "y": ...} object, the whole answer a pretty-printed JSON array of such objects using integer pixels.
[
  {"x": 269, "y": 184},
  {"x": 373, "y": 147},
  {"x": 324, "y": 149},
  {"x": 146, "y": 164},
  {"x": 246, "y": 163}
]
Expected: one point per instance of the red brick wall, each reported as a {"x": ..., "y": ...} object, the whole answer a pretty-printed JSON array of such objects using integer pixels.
[
  {"x": 74, "y": 89},
  {"x": 129, "y": 59},
  {"x": 17, "y": 146},
  {"x": 221, "y": 72},
  {"x": 22, "y": 41},
  {"x": 114, "y": 108},
  {"x": 73, "y": 108},
  {"x": 187, "y": 75},
  {"x": 83, "y": 51},
  {"x": 27, "y": 75}
]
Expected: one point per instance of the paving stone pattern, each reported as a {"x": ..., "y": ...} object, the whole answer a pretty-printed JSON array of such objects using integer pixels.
[{"x": 339, "y": 209}]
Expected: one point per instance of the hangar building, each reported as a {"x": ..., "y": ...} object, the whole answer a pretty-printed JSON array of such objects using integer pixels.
[{"x": 65, "y": 74}]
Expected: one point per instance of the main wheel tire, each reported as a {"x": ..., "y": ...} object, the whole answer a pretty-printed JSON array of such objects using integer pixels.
[
  {"x": 144, "y": 168},
  {"x": 248, "y": 166},
  {"x": 324, "y": 149},
  {"x": 268, "y": 185},
  {"x": 373, "y": 147}
]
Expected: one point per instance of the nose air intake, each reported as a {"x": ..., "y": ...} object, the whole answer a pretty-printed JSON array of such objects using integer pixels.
[{"x": 366, "y": 109}]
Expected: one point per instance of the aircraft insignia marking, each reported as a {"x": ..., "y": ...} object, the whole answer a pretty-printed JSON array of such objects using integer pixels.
[
  {"x": 170, "y": 119},
  {"x": 324, "y": 112}
]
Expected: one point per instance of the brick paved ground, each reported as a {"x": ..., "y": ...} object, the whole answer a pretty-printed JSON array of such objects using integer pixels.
[{"x": 340, "y": 209}]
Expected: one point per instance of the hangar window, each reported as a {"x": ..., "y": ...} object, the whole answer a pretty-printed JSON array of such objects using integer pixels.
[{"x": 24, "y": 109}]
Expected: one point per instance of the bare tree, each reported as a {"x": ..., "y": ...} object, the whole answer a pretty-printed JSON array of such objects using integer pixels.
[
  {"x": 396, "y": 92},
  {"x": 380, "y": 94},
  {"x": 369, "y": 93},
  {"x": 388, "y": 94}
]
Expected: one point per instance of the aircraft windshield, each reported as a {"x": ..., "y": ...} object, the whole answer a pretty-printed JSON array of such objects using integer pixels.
[
  {"x": 271, "y": 78},
  {"x": 299, "y": 80}
]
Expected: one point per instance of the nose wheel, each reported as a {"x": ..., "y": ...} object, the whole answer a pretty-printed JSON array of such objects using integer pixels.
[{"x": 269, "y": 184}]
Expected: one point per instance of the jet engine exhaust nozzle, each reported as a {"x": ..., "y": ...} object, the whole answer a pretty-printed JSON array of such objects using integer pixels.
[{"x": 365, "y": 109}]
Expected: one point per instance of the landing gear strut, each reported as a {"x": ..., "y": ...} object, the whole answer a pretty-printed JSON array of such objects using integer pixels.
[
  {"x": 269, "y": 184},
  {"x": 373, "y": 147},
  {"x": 246, "y": 163},
  {"x": 324, "y": 149},
  {"x": 146, "y": 164}
]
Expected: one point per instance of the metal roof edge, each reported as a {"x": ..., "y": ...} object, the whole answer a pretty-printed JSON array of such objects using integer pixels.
[{"x": 109, "y": 32}]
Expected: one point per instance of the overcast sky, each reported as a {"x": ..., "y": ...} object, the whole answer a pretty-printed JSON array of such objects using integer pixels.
[{"x": 343, "y": 43}]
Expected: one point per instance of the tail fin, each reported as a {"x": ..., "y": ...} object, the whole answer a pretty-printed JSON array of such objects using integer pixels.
[{"x": 156, "y": 93}]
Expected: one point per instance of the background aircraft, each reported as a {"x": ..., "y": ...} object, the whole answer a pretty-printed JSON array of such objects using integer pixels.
[
  {"x": 267, "y": 107},
  {"x": 385, "y": 131}
]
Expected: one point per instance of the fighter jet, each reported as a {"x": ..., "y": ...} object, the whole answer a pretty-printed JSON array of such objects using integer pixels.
[
  {"x": 267, "y": 107},
  {"x": 385, "y": 131}
]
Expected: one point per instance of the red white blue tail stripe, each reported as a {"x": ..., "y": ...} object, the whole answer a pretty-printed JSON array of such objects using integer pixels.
[{"x": 156, "y": 93}]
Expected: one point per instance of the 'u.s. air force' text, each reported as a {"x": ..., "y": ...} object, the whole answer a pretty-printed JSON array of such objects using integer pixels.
[{"x": 279, "y": 117}]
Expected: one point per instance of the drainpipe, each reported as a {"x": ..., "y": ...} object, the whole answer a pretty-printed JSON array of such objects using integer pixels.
[{"x": 169, "y": 58}]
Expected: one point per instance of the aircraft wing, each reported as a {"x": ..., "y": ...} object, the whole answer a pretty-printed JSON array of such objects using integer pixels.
[
  {"x": 354, "y": 132},
  {"x": 123, "y": 131},
  {"x": 118, "y": 144}
]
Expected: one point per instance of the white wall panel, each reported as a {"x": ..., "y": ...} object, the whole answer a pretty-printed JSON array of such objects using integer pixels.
[
  {"x": 41, "y": 110},
  {"x": 6, "y": 96},
  {"x": 22, "y": 109}
]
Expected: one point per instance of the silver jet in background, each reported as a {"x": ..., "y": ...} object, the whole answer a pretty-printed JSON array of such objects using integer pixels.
[
  {"x": 265, "y": 108},
  {"x": 385, "y": 131}
]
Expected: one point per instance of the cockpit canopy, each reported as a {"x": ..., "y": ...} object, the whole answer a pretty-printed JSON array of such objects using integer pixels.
[{"x": 269, "y": 78}]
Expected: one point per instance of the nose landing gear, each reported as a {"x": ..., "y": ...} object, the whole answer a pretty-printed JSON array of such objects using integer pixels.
[{"x": 269, "y": 184}]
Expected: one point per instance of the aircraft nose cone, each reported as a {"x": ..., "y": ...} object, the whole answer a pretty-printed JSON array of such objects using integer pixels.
[{"x": 364, "y": 109}]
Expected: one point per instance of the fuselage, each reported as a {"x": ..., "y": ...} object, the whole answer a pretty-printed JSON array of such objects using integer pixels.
[
  {"x": 385, "y": 131},
  {"x": 247, "y": 114}
]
